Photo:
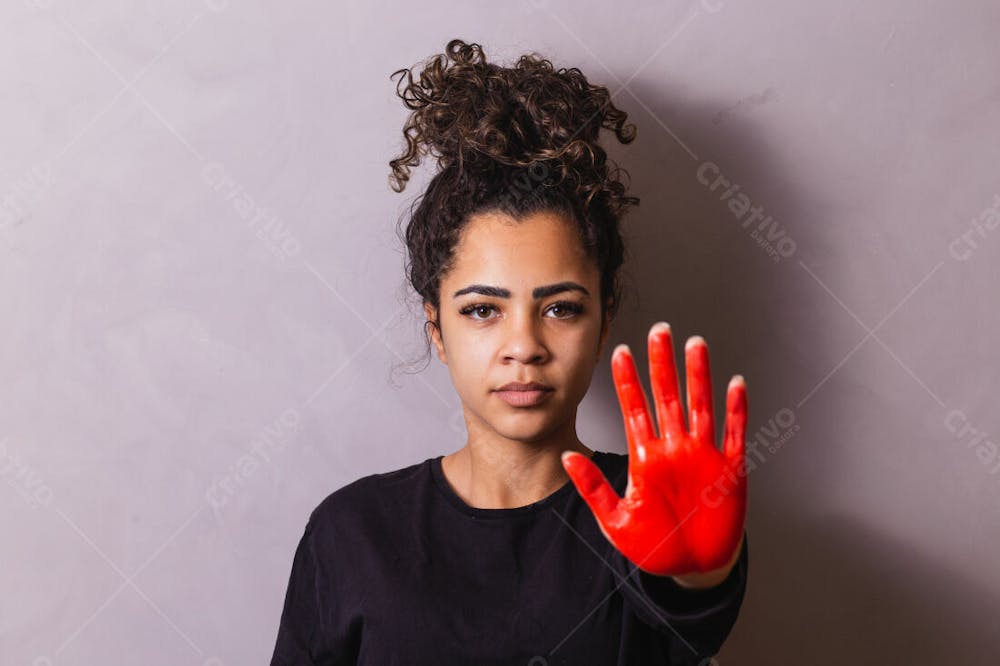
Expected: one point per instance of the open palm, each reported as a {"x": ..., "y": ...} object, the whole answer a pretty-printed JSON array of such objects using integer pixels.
[{"x": 685, "y": 502}]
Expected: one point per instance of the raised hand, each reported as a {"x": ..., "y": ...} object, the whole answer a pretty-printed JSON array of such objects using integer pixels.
[{"x": 685, "y": 502}]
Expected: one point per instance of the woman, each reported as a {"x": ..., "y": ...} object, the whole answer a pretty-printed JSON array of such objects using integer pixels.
[{"x": 518, "y": 548}]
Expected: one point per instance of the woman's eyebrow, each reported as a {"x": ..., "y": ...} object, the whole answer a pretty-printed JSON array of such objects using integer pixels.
[{"x": 536, "y": 293}]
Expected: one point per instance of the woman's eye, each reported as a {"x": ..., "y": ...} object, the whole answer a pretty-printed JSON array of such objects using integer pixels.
[
  {"x": 478, "y": 308},
  {"x": 570, "y": 309},
  {"x": 563, "y": 310}
]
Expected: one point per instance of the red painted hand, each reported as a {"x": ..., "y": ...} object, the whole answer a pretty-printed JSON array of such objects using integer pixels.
[{"x": 685, "y": 502}]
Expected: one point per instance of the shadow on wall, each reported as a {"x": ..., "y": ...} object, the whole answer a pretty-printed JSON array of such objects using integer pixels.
[
  {"x": 829, "y": 590},
  {"x": 823, "y": 589}
]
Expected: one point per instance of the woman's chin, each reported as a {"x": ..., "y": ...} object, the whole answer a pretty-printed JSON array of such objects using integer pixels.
[{"x": 527, "y": 428}]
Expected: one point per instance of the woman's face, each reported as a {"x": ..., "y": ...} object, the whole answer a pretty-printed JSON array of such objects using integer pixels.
[{"x": 520, "y": 304}]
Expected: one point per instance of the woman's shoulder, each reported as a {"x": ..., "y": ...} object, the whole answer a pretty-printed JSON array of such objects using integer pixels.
[{"x": 360, "y": 497}]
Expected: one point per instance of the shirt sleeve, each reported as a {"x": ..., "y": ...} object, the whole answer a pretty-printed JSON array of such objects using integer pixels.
[
  {"x": 311, "y": 631},
  {"x": 693, "y": 622}
]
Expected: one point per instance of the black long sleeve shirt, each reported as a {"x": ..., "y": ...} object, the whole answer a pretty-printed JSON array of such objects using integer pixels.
[{"x": 396, "y": 568}]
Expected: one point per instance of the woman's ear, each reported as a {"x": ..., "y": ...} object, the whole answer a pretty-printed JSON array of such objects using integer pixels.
[{"x": 433, "y": 323}]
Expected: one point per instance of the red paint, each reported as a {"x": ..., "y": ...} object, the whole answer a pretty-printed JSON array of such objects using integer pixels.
[{"x": 685, "y": 502}]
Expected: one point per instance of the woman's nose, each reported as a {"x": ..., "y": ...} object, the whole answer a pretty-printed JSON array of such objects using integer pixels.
[{"x": 524, "y": 341}]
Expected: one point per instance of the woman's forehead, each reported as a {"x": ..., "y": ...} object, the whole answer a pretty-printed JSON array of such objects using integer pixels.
[
  {"x": 521, "y": 274},
  {"x": 496, "y": 242}
]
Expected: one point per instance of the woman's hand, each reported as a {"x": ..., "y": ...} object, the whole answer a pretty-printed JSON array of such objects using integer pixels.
[{"x": 685, "y": 503}]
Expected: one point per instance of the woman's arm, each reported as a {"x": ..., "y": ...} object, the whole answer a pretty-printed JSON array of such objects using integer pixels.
[
  {"x": 314, "y": 630},
  {"x": 678, "y": 532},
  {"x": 691, "y": 623}
]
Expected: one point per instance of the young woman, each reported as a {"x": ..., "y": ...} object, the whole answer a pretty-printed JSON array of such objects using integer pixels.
[{"x": 525, "y": 546}]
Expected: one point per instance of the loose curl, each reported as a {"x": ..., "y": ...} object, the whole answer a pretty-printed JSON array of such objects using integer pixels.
[{"x": 516, "y": 140}]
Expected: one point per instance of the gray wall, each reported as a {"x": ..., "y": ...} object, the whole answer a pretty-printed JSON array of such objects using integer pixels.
[{"x": 204, "y": 303}]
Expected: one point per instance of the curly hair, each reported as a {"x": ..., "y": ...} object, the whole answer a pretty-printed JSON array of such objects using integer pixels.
[{"x": 516, "y": 140}]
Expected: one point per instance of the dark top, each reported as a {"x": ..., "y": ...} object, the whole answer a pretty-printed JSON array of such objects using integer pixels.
[{"x": 396, "y": 568}]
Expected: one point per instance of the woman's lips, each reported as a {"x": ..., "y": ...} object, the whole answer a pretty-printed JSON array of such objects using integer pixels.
[{"x": 523, "y": 398}]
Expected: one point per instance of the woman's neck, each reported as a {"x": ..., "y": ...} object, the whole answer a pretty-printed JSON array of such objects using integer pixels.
[{"x": 498, "y": 473}]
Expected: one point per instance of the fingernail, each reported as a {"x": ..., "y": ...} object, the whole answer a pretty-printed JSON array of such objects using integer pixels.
[{"x": 694, "y": 340}]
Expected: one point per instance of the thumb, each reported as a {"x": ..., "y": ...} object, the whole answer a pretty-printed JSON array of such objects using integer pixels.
[{"x": 593, "y": 487}]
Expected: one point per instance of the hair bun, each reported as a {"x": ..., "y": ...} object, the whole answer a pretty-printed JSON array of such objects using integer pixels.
[{"x": 479, "y": 117}]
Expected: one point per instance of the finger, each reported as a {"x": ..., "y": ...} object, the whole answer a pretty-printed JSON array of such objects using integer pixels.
[
  {"x": 736, "y": 419},
  {"x": 632, "y": 399},
  {"x": 663, "y": 377},
  {"x": 699, "y": 390},
  {"x": 594, "y": 488}
]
